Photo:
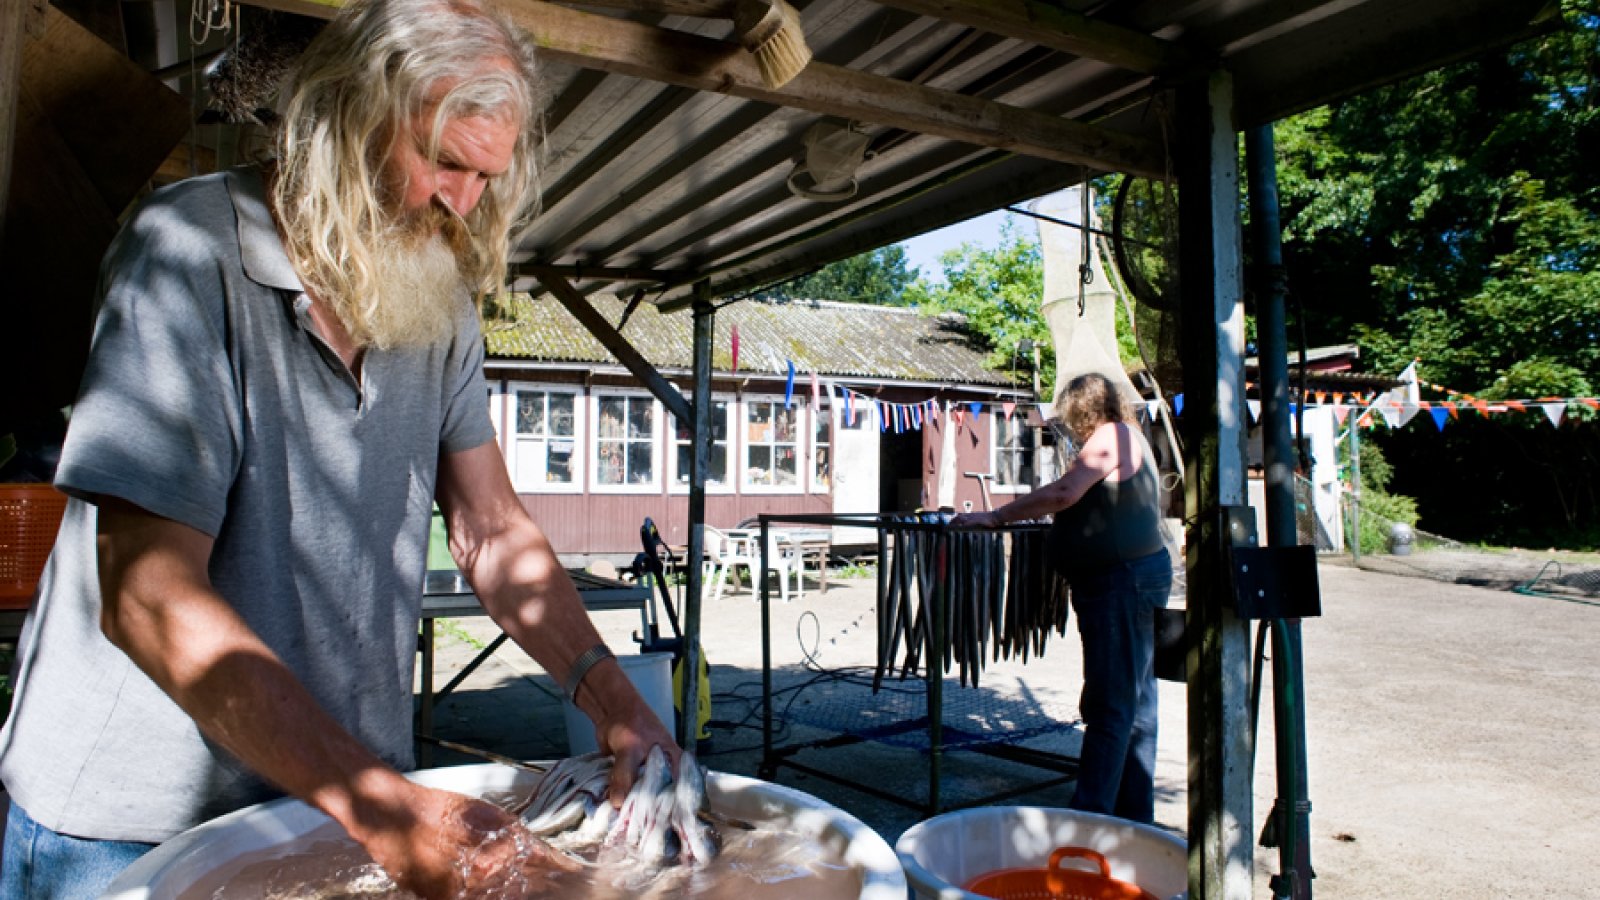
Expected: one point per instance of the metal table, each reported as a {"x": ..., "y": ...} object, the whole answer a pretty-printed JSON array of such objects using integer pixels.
[{"x": 446, "y": 594}]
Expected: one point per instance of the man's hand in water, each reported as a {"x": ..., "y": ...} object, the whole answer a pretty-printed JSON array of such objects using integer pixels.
[{"x": 446, "y": 846}]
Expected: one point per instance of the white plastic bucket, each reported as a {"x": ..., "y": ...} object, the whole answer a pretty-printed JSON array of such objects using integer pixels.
[
  {"x": 945, "y": 852},
  {"x": 651, "y": 674},
  {"x": 174, "y": 867}
]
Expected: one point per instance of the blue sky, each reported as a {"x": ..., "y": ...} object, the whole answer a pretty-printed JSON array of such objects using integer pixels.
[{"x": 923, "y": 252}]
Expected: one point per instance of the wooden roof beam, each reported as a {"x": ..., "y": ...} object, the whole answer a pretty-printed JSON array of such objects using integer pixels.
[
  {"x": 599, "y": 273},
  {"x": 1051, "y": 26},
  {"x": 630, "y": 48}
]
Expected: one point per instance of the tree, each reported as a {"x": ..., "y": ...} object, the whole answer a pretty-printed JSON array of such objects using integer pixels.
[
  {"x": 999, "y": 292},
  {"x": 879, "y": 276},
  {"x": 1455, "y": 218}
]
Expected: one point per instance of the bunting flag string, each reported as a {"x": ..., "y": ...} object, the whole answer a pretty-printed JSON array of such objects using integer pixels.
[{"x": 1370, "y": 408}]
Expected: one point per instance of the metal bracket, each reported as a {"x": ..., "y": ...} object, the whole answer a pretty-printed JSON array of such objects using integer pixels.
[{"x": 1275, "y": 582}]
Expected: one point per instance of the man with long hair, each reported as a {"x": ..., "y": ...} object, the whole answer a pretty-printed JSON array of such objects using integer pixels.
[{"x": 286, "y": 375}]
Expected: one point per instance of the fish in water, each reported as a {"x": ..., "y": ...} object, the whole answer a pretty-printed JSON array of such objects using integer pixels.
[{"x": 660, "y": 823}]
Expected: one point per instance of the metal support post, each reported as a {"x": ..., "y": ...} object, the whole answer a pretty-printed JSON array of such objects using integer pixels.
[
  {"x": 1355, "y": 484},
  {"x": 1290, "y": 826}
]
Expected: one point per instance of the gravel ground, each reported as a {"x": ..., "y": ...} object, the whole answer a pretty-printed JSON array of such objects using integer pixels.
[{"x": 1449, "y": 726}]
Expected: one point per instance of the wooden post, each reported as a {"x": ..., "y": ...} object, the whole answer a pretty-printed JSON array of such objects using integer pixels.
[
  {"x": 1220, "y": 810},
  {"x": 705, "y": 317}
]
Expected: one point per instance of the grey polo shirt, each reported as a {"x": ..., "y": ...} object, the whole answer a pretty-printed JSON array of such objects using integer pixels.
[{"x": 209, "y": 399}]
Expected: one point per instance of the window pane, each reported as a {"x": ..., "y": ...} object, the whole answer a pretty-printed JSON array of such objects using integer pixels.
[
  {"x": 530, "y": 412},
  {"x": 639, "y": 468},
  {"x": 788, "y": 467},
  {"x": 562, "y": 419},
  {"x": 718, "y": 473},
  {"x": 760, "y": 426},
  {"x": 822, "y": 479},
  {"x": 783, "y": 424},
  {"x": 560, "y": 462},
  {"x": 530, "y": 460},
  {"x": 719, "y": 420},
  {"x": 640, "y": 421},
  {"x": 610, "y": 470},
  {"x": 612, "y": 415},
  {"x": 760, "y": 468},
  {"x": 1006, "y": 467}
]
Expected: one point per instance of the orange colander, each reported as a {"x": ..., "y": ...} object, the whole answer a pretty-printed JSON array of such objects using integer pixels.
[{"x": 1058, "y": 883}]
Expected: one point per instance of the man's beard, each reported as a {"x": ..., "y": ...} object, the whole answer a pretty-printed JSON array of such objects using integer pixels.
[{"x": 417, "y": 286}]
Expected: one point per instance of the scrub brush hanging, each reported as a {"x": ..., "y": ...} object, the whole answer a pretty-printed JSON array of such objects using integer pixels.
[{"x": 769, "y": 30}]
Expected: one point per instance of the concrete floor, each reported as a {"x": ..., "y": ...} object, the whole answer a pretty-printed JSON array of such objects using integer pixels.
[{"x": 1450, "y": 728}]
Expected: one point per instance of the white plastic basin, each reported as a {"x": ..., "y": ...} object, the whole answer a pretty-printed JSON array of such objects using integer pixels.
[
  {"x": 168, "y": 870},
  {"x": 947, "y": 851}
]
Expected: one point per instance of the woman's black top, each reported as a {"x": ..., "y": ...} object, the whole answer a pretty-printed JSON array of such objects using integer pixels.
[{"x": 1114, "y": 521}]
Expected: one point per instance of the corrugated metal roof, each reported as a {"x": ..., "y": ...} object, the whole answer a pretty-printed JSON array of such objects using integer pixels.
[{"x": 832, "y": 339}]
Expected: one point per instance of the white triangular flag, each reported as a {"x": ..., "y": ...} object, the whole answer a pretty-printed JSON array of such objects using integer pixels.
[
  {"x": 1554, "y": 412},
  {"x": 1390, "y": 413},
  {"x": 1255, "y": 409}
]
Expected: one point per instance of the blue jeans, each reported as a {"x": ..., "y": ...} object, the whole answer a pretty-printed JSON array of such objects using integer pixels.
[
  {"x": 39, "y": 864},
  {"x": 1116, "y": 618}
]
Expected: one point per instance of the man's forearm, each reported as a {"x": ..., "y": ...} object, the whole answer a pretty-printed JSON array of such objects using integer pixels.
[
  {"x": 523, "y": 586},
  {"x": 159, "y": 609}
]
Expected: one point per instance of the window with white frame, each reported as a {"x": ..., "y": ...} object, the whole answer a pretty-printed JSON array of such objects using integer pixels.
[
  {"x": 721, "y": 448},
  {"x": 771, "y": 445},
  {"x": 822, "y": 451},
  {"x": 1010, "y": 451},
  {"x": 543, "y": 452},
  {"x": 625, "y": 441}
]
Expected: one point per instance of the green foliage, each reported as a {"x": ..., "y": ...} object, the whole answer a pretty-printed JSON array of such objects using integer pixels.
[
  {"x": 854, "y": 570},
  {"x": 1455, "y": 218},
  {"x": 439, "y": 545},
  {"x": 879, "y": 276},
  {"x": 1379, "y": 512},
  {"x": 999, "y": 292}
]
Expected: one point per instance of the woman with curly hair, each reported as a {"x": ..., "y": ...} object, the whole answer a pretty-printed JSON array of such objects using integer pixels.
[{"x": 1106, "y": 540}]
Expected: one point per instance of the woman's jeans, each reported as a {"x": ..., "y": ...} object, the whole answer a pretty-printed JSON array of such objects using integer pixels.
[
  {"x": 39, "y": 864},
  {"x": 1116, "y": 618}
]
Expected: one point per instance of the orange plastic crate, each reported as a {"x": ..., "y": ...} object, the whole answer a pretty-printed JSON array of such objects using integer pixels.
[
  {"x": 30, "y": 516},
  {"x": 1057, "y": 882}
]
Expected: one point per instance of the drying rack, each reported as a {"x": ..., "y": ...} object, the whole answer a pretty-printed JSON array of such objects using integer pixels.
[{"x": 887, "y": 728}]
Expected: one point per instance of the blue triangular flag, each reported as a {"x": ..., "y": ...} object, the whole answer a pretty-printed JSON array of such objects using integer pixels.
[
  {"x": 788, "y": 388},
  {"x": 976, "y": 407},
  {"x": 1439, "y": 416},
  {"x": 1177, "y": 404}
]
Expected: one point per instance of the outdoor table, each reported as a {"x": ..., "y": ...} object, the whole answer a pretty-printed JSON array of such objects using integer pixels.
[
  {"x": 808, "y": 543},
  {"x": 811, "y": 542},
  {"x": 446, "y": 594}
]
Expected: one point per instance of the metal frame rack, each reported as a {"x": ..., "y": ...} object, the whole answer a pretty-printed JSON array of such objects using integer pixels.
[{"x": 1065, "y": 766}]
